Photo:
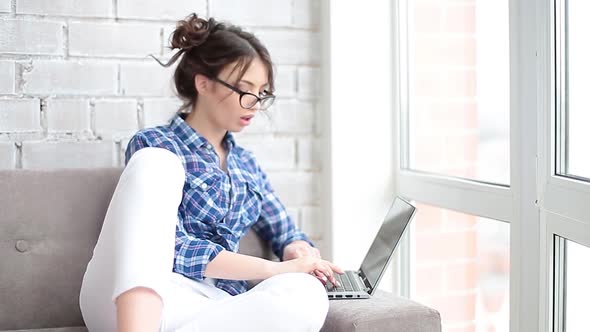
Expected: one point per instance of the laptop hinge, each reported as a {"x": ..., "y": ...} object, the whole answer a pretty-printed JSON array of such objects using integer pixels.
[{"x": 365, "y": 280}]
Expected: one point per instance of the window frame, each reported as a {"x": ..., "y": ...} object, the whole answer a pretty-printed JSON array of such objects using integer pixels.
[{"x": 515, "y": 204}]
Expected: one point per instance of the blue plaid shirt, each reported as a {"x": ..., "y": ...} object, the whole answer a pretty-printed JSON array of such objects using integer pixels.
[{"x": 217, "y": 209}]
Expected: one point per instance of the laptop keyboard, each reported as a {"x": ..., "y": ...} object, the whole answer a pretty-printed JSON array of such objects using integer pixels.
[{"x": 346, "y": 281}]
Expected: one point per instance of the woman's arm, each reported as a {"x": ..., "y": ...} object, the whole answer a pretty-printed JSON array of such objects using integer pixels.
[{"x": 233, "y": 266}]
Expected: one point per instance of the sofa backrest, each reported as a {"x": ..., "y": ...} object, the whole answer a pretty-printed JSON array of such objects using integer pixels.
[{"x": 49, "y": 224}]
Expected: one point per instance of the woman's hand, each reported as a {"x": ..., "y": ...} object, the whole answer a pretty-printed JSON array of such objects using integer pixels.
[
  {"x": 298, "y": 249},
  {"x": 310, "y": 264}
]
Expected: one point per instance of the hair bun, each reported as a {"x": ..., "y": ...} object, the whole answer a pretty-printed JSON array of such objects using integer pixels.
[{"x": 191, "y": 32}]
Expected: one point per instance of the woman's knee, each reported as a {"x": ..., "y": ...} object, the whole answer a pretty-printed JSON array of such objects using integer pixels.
[
  {"x": 157, "y": 164},
  {"x": 308, "y": 301}
]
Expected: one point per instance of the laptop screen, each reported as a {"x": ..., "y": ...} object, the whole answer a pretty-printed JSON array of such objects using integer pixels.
[{"x": 386, "y": 240}]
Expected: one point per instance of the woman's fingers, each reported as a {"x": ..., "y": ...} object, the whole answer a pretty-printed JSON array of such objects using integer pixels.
[
  {"x": 325, "y": 268},
  {"x": 321, "y": 277},
  {"x": 336, "y": 268}
]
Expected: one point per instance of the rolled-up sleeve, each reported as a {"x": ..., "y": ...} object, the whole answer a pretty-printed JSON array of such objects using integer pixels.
[
  {"x": 274, "y": 224},
  {"x": 137, "y": 142},
  {"x": 193, "y": 254}
]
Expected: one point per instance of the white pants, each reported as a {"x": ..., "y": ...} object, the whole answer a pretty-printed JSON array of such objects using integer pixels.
[{"x": 136, "y": 249}]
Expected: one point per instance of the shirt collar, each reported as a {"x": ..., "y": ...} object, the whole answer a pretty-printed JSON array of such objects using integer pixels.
[{"x": 191, "y": 137}]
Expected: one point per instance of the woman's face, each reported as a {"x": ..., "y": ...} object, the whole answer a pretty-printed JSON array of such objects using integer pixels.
[{"x": 224, "y": 106}]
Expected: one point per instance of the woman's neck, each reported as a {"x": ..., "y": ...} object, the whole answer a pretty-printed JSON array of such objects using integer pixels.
[{"x": 199, "y": 121}]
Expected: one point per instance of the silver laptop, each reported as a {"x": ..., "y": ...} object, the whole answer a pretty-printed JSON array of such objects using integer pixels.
[{"x": 363, "y": 283}]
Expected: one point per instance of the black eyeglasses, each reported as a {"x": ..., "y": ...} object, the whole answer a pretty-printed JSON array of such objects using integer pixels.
[{"x": 247, "y": 99}]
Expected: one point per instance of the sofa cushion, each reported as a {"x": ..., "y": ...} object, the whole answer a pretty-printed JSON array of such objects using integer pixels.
[
  {"x": 382, "y": 312},
  {"x": 49, "y": 225}
]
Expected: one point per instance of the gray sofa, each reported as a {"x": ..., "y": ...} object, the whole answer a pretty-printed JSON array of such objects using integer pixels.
[{"x": 49, "y": 224}]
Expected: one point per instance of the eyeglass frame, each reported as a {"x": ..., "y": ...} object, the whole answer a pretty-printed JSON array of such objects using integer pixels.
[{"x": 243, "y": 93}]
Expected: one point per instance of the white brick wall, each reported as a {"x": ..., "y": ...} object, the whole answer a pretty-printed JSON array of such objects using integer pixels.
[
  {"x": 274, "y": 153},
  {"x": 68, "y": 115},
  {"x": 114, "y": 39},
  {"x": 59, "y": 77},
  {"x": 286, "y": 81},
  {"x": 275, "y": 13},
  {"x": 65, "y": 8},
  {"x": 39, "y": 155},
  {"x": 160, "y": 10},
  {"x": 7, "y": 151},
  {"x": 308, "y": 154},
  {"x": 114, "y": 119},
  {"x": 308, "y": 83},
  {"x": 293, "y": 47},
  {"x": 31, "y": 37},
  {"x": 75, "y": 84},
  {"x": 158, "y": 112},
  {"x": 7, "y": 74},
  {"x": 306, "y": 13},
  {"x": 146, "y": 79},
  {"x": 5, "y": 6},
  {"x": 17, "y": 115}
]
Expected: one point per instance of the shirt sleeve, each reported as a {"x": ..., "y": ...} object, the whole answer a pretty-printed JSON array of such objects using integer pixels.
[
  {"x": 193, "y": 254},
  {"x": 274, "y": 224},
  {"x": 137, "y": 142}
]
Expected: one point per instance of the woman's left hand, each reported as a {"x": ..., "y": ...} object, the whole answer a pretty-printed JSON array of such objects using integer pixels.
[{"x": 301, "y": 248}]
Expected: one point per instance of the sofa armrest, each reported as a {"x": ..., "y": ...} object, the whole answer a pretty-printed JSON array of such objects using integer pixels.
[{"x": 382, "y": 312}]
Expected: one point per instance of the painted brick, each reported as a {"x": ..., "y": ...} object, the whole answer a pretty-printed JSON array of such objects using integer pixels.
[
  {"x": 285, "y": 81},
  {"x": 308, "y": 153},
  {"x": 318, "y": 117},
  {"x": 5, "y": 6},
  {"x": 7, "y": 74},
  {"x": 20, "y": 115},
  {"x": 167, "y": 33},
  {"x": 294, "y": 214},
  {"x": 68, "y": 115},
  {"x": 272, "y": 153},
  {"x": 85, "y": 154},
  {"x": 291, "y": 46},
  {"x": 7, "y": 155},
  {"x": 306, "y": 13},
  {"x": 69, "y": 77},
  {"x": 114, "y": 39},
  {"x": 295, "y": 188},
  {"x": 308, "y": 82},
  {"x": 160, "y": 10},
  {"x": 65, "y": 8},
  {"x": 293, "y": 117},
  {"x": 253, "y": 12},
  {"x": 146, "y": 79},
  {"x": 158, "y": 112},
  {"x": 310, "y": 222},
  {"x": 31, "y": 37},
  {"x": 115, "y": 118}
]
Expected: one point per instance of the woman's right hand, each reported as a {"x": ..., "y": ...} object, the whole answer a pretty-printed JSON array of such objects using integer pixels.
[{"x": 309, "y": 264}]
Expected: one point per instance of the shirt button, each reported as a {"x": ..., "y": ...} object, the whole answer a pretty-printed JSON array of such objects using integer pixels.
[
  {"x": 209, "y": 146},
  {"x": 203, "y": 186}
]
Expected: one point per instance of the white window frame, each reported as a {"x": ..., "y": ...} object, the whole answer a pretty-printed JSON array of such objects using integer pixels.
[
  {"x": 514, "y": 204},
  {"x": 563, "y": 201}
]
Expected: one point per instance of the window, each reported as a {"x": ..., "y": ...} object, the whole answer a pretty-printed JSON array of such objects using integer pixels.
[
  {"x": 577, "y": 274},
  {"x": 574, "y": 72},
  {"x": 565, "y": 176},
  {"x": 458, "y": 97},
  {"x": 461, "y": 268}
]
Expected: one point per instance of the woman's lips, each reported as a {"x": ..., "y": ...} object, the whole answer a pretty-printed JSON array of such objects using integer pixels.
[{"x": 245, "y": 120}]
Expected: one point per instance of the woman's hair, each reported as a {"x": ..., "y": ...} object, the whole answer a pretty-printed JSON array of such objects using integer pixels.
[{"x": 206, "y": 47}]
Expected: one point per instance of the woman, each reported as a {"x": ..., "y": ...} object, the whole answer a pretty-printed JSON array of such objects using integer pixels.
[{"x": 166, "y": 258}]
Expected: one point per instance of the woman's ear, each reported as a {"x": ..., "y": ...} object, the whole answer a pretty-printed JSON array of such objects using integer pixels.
[{"x": 202, "y": 84}]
